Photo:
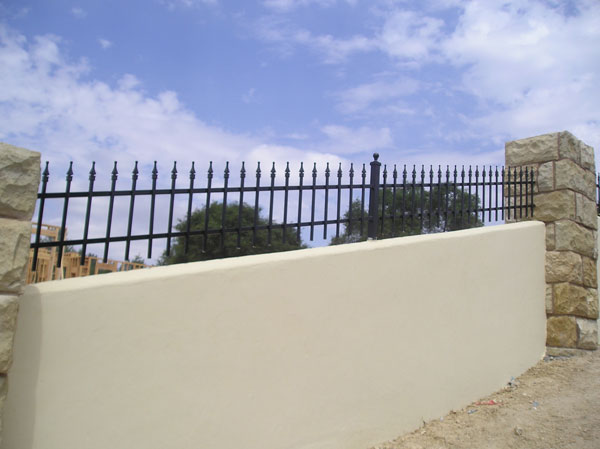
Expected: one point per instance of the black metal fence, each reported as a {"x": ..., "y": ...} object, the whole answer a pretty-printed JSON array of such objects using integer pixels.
[{"x": 399, "y": 202}]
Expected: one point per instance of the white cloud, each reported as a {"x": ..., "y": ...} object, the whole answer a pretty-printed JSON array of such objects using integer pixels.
[
  {"x": 375, "y": 96},
  {"x": 347, "y": 140},
  {"x": 78, "y": 12},
  {"x": 527, "y": 66},
  {"x": 406, "y": 34},
  {"x": 172, "y": 4},
  {"x": 333, "y": 50},
  {"x": 288, "y": 5},
  {"x": 535, "y": 68},
  {"x": 54, "y": 106},
  {"x": 48, "y": 106},
  {"x": 104, "y": 43}
]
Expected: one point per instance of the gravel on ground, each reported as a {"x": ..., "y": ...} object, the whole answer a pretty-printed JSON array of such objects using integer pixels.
[{"x": 554, "y": 405}]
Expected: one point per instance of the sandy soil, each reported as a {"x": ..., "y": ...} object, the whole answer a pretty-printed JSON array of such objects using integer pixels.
[{"x": 554, "y": 405}]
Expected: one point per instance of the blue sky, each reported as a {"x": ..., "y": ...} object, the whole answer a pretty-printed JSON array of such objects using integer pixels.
[{"x": 439, "y": 81}]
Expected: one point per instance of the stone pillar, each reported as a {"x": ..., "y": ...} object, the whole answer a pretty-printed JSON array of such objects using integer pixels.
[
  {"x": 565, "y": 199},
  {"x": 19, "y": 181}
]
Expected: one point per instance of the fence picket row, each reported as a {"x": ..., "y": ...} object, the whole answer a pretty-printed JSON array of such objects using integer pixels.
[{"x": 394, "y": 208}]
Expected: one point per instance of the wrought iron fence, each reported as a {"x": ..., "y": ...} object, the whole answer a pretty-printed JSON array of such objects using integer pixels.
[
  {"x": 598, "y": 193},
  {"x": 400, "y": 201}
]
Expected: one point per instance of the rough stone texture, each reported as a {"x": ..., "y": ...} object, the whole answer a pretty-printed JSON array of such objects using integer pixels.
[
  {"x": 585, "y": 211},
  {"x": 587, "y": 331},
  {"x": 570, "y": 299},
  {"x": 564, "y": 266},
  {"x": 556, "y": 205},
  {"x": 550, "y": 245},
  {"x": 545, "y": 177},
  {"x": 568, "y": 146},
  {"x": 590, "y": 274},
  {"x": 587, "y": 157},
  {"x": 570, "y": 236},
  {"x": 14, "y": 254},
  {"x": 549, "y": 302},
  {"x": 534, "y": 149},
  {"x": 561, "y": 331},
  {"x": 20, "y": 169},
  {"x": 9, "y": 307},
  {"x": 569, "y": 175}
]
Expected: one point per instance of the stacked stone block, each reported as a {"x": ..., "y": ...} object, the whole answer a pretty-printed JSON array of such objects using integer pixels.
[
  {"x": 19, "y": 180},
  {"x": 565, "y": 199}
]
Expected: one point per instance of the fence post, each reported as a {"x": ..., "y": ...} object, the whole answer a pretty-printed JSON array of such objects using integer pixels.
[
  {"x": 374, "y": 198},
  {"x": 564, "y": 197}
]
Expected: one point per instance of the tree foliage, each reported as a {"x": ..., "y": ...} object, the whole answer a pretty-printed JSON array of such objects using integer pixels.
[
  {"x": 214, "y": 249},
  {"x": 417, "y": 211}
]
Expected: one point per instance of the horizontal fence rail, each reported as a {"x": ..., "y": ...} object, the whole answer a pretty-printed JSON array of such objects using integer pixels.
[{"x": 400, "y": 201}]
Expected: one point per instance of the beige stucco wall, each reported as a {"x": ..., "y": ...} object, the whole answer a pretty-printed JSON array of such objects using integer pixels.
[{"x": 336, "y": 347}]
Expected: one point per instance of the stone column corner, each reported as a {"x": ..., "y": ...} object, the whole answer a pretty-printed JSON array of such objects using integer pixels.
[{"x": 565, "y": 200}]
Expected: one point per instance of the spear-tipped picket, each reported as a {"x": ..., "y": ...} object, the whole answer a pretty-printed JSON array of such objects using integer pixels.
[{"x": 88, "y": 208}]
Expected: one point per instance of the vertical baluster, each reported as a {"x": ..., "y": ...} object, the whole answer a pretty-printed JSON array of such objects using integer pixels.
[
  {"x": 312, "y": 207},
  {"x": 171, "y": 205},
  {"x": 476, "y": 205},
  {"x": 88, "y": 209},
  {"x": 134, "y": 178},
  {"x": 455, "y": 219},
  {"x": 327, "y": 174},
  {"x": 111, "y": 203},
  {"x": 64, "y": 216},
  {"x": 446, "y": 197},
  {"x": 300, "y": 188},
  {"x": 520, "y": 192},
  {"x": 532, "y": 186},
  {"x": 439, "y": 188},
  {"x": 271, "y": 196},
  {"x": 496, "y": 188},
  {"x": 189, "y": 209},
  {"x": 404, "y": 174},
  {"x": 38, "y": 229},
  {"x": 258, "y": 172},
  {"x": 526, "y": 192},
  {"x": 422, "y": 199},
  {"x": 490, "y": 194},
  {"x": 462, "y": 196},
  {"x": 383, "y": 195},
  {"x": 507, "y": 194},
  {"x": 285, "y": 200},
  {"x": 483, "y": 173},
  {"x": 362, "y": 200},
  {"x": 412, "y": 198},
  {"x": 598, "y": 193},
  {"x": 469, "y": 197},
  {"x": 350, "y": 199},
  {"x": 152, "y": 205},
  {"x": 241, "y": 206},
  {"x": 339, "y": 201},
  {"x": 209, "y": 178},
  {"x": 394, "y": 188},
  {"x": 430, "y": 213},
  {"x": 224, "y": 209}
]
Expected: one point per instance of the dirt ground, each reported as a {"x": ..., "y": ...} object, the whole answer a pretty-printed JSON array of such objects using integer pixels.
[{"x": 554, "y": 405}]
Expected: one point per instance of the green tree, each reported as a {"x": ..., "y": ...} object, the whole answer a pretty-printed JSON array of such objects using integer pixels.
[
  {"x": 214, "y": 249},
  {"x": 138, "y": 259},
  {"x": 440, "y": 211}
]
